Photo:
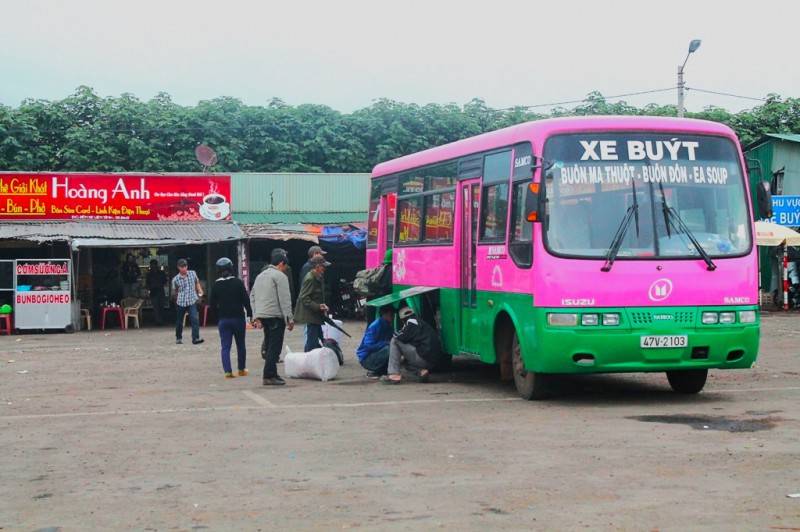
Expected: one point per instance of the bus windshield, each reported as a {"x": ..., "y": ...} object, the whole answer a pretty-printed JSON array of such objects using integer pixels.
[{"x": 686, "y": 186}]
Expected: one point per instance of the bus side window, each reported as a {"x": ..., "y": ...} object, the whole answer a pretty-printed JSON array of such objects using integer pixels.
[
  {"x": 494, "y": 199},
  {"x": 520, "y": 233}
]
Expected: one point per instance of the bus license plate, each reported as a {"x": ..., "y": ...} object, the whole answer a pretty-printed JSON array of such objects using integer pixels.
[{"x": 664, "y": 342}]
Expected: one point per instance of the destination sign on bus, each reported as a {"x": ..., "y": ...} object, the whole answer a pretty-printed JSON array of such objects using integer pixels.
[{"x": 672, "y": 161}]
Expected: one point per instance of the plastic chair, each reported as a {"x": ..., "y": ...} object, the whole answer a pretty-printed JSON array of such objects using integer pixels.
[
  {"x": 111, "y": 310},
  {"x": 87, "y": 317},
  {"x": 6, "y": 328},
  {"x": 132, "y": 307}
]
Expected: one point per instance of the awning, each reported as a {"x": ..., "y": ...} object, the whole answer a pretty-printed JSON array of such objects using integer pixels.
[
  {"x": 401, "y": 295},
  {"x": 282, "y": 232},
  {"x": 770, "y": 234},
  {"x": 122, "y": 233}
]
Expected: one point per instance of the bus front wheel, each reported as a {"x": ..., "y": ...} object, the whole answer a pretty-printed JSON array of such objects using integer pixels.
[
  {"x": 530, "y": 385},
  {"x": 687, "y": 381}
]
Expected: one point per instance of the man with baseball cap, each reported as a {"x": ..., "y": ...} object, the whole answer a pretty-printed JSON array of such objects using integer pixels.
[
  {"x": 311, "y": 307},
  {"x": 313, "y": 251},
  {"x": 416, "y": 343}
]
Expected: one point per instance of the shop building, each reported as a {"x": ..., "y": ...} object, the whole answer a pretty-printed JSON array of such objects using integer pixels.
[{"x": 90, "y": 223}]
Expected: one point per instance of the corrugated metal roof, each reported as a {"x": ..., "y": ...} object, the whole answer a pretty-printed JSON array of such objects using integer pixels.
[
  {"x": 785, "y": 136},
  {"x": 279, "y": 232},
  {"x": 110, "y": 233},
  {"x": 332, "y": 218},
  {"x": 788, "y": 137},
  {"x": 299, "y": 193}
]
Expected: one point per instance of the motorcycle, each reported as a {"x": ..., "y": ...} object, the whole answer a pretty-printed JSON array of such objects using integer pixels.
[{"x": 352, "y": 305}]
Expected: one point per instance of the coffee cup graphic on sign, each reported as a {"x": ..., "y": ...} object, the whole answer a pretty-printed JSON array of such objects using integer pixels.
[{"x": 215, "y": 207}]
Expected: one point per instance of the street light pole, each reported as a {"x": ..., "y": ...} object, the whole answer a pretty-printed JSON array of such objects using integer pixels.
[{"x": 693, "y": 46}]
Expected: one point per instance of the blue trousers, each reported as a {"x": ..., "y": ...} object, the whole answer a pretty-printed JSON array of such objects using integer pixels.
[
  {"x": 194, "y": 319},
  {"x": 230, "y": 329},
  {"x": 314, "y": 336}
]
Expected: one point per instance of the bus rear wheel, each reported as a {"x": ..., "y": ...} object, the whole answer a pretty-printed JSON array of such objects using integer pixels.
[
  {"x": 687, "y": 381},
  {"x": 530, "y": 385}
]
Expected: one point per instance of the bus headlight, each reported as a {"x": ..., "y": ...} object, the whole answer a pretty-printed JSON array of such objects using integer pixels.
[
  {"x": 590, "y": 319},
  {"x": 610, "y": 319},
  {"x": 710, "y": 318},
  {"x": 562, "y": 320},
  {"x": 727, "y": 317},
  {"x": 747, "y": 316}
]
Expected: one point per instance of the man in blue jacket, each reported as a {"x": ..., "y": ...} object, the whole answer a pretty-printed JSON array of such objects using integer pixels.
[{"x": 373, "y": 353}]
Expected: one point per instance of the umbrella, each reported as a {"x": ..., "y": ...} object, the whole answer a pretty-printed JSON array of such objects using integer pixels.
[
  {"x": 330, "y": 322},
  {"x": 770, "y": 234}
]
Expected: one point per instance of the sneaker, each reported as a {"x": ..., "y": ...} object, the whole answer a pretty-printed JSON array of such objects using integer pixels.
[
  {"x": 280, "y": 379},
  {"x": 274, "y": 381},
  {"x": 243, "y": 373},
  {"x": 229, "y": 376},
  {"x": 178, "y": 341},
  {"x": 198, "y": 341},
  {"x": 373, "y": 375}
]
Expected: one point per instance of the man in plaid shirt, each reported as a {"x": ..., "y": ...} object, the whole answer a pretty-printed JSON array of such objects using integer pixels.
[{"x": 187, "y": 292}]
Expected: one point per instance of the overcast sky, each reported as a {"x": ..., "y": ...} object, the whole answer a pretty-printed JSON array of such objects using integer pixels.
[{"x": 347, "y": 54}]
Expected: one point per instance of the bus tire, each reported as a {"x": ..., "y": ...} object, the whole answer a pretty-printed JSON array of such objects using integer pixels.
[
  {"x": 530, "y": 385},
  {"x": 687, "y": 381}
]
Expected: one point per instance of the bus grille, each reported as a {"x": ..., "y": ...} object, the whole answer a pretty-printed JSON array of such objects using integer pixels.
[{"x": 646, "y": 317}]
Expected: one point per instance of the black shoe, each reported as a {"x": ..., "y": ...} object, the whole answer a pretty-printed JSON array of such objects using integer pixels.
[
  {"x": 279, "y": 378},
  {"x": 199, "y": 341},
  {"x": 373, "y": 375},
  {"x": 178, "y": 341},
  {"x": 273, "y": 381}
]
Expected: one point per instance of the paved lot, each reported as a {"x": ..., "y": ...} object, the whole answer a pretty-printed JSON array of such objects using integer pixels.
[{"x": 125, "y": 430}]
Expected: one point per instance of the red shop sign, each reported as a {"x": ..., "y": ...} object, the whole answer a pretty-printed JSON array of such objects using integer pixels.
[{"x": 114, "y": 197}]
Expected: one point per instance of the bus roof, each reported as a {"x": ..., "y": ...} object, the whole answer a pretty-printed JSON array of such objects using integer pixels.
[{"x": 538, "y": 130}]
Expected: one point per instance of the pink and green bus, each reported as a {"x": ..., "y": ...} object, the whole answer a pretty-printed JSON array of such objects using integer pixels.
[{"x": 578, "y": 245}]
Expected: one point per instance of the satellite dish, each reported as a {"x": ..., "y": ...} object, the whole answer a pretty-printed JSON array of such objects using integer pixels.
[{"x": 205, "y": 156}]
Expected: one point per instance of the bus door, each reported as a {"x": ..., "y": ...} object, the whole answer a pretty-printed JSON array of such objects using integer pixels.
[
  {"x": 469, "y": 201},
  {"x": 387, "y": 210}
]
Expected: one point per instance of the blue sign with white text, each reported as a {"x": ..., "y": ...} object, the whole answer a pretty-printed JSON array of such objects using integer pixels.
[{"x": 786, "y": 210}]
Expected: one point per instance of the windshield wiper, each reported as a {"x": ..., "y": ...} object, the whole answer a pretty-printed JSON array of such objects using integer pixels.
[
  {"x": 631, "y": 214},
  {"x": 672, "y": 218}
]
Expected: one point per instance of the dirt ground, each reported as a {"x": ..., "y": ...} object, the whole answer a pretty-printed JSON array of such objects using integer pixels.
[{"x": 126, "y": 430}]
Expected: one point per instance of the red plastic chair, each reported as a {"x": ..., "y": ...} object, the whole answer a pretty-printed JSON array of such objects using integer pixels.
[
  {"x": 8, "y": 325},
  {"x": 113, "y": 310}
]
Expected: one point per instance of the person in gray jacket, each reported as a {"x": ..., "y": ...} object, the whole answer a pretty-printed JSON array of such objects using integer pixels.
[{"x": 272, "y": 310}]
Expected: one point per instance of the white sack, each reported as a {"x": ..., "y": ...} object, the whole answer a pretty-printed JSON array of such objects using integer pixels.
[
  {"x": 332, "y": 333},
  {"x": 320, "y": 364}
]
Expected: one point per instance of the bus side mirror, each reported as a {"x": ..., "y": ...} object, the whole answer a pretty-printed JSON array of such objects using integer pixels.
[
  {"x": 764, "y": 199},
  {"x": 532, "y": 203}
]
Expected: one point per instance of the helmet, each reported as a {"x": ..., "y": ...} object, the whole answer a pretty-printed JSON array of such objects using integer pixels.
[
  {"x": 5, "y": 309},
  {"x": 406, "y": 312},
  {"x": 224, "y": 264}
]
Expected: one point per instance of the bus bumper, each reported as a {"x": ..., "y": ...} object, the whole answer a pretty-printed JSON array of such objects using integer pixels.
[{"x": 609, "y": 349}]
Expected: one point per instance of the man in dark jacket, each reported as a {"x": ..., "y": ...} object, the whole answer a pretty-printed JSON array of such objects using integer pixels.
[
  {"x": 313, "y": 251},
  {"x": 417, "y": 343},
  {"x": 311, "y": 307},
  {"x": 230, "y": 301}
]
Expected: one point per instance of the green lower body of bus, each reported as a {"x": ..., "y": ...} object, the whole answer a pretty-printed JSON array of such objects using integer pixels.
[{"x": 482, "y": 330}]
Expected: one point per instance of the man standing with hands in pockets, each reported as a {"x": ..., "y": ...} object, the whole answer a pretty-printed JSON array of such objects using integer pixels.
[{"x": 272, "y": 310}]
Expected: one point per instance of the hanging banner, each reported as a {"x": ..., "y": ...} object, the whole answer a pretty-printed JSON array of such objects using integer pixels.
[{"x": 137, "y": 197}]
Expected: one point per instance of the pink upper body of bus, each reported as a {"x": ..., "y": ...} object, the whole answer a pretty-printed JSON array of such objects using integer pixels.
[{"x": 565, "y": 280}]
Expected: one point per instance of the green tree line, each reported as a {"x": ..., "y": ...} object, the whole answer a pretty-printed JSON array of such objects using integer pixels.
[{"x": 84, "y": 132}]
